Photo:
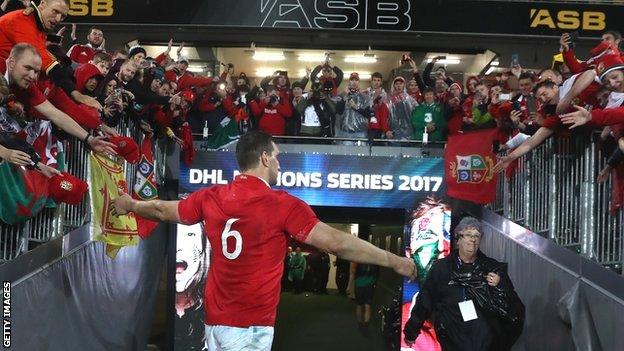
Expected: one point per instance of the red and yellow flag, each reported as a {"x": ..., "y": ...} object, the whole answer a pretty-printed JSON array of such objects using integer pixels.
[{"x": 107, "y": 180}]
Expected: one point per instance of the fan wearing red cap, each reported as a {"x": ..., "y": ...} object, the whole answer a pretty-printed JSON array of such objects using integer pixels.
[
  {"x": 66, "y": 188},
  {"x": 126, "y": 148},
  {"x": 608, "y": 46},
  {"x": 611, "y": 74}
]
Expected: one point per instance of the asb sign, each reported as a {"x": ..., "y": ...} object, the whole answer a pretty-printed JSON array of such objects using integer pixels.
[
  {"x": 346, "y": 14},
  {"x": 97, "y": 8},
  {"x": 568, "y": 20},
  {"x": 449, "y": 16},
  {"x": 331, "y": 180}
]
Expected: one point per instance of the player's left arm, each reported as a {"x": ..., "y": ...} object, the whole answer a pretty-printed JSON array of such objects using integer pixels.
[
  {"x": 350, "y": 248},
  {"x": 155, "y": 210}
]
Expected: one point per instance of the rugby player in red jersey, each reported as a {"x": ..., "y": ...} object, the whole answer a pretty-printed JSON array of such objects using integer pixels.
[{"x": 248, "y": 225}]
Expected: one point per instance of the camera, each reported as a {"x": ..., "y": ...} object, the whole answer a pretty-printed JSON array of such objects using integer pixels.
[
  {"x": 273, "y": 99},
  {"x": 213, "y": 99},
  {"x": 405, "y": 59}
]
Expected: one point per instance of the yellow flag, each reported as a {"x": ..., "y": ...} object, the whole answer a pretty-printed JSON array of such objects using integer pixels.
[{"x": 107, "y": 180}]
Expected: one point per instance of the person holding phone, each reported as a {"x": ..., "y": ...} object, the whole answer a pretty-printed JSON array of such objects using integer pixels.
[
  {"x": 609, "y": 44},
  {"x": 524, "y": 99}
]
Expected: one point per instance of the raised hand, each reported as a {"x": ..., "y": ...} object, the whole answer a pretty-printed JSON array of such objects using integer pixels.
[{"x": 576, "y": 118}]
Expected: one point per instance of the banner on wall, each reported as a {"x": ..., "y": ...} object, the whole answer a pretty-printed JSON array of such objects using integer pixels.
[
  {"x": 427, "y": 238},
  {"x": 504, "y": 17},
  {"x": 331, "y": 180}
]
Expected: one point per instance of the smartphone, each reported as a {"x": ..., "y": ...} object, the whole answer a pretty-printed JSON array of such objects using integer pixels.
[
  {"x": 516, "y": 105},
  {"x": 549, "y": 109},
  {"x": 573, "y": 38},
  {"x": 504, "y": 97},
  {"x": 515, "y": 61}
]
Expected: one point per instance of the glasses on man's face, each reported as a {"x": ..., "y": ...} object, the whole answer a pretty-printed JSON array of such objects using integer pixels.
[{"x": 472, "y": 236}]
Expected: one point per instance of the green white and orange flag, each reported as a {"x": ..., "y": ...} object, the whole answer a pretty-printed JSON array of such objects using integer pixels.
[{"x": 107, "y": 180}]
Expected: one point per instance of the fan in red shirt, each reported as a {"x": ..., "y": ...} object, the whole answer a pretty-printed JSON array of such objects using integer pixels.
[
  {"x": 84, "y": 53},
  {"x": 273, "y": 112},
  {"x": 553, "y": 99},
  {"x": 23, "y": 66},
  {"x": 248, "y": 226}
]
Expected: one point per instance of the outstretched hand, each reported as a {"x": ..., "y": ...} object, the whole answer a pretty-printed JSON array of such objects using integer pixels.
[
  {"x": 502, "y": 164},
  {"x": 121, "y": 205},
  {"x": 405, "y": 267},
  {"x": 576, "y": 118},
  {"x": 99, "y": 144}
]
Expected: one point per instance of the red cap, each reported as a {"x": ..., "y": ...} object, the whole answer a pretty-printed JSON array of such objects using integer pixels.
[
  {"x": 459, "y": 86},
  {"x": 398, "y": 78},
  {"x": 355, "y": 76},
  {"x": 610, "y": 63},
  {"x": 126, "y": 148},
  {"x": 66, "y": 188},
  {"x": 188, "y": 95}
]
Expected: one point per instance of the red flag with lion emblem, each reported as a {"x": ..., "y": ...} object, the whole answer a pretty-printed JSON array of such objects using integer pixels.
[{"x": 468, "y": 162}]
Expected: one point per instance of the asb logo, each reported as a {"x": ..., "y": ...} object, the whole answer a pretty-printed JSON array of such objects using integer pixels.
[
  {"x": 91, "y": 8},
  {"x": 567, "y": 19},
  {"x": 472, "y": 169}
]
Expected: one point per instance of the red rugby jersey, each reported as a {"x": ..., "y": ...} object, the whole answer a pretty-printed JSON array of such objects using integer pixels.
[{"x": 247, "y": 225}]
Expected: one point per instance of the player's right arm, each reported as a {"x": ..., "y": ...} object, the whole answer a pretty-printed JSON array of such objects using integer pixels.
[
  {"x": 353, "y": 249},
  {"x": 155, "y": 210}
]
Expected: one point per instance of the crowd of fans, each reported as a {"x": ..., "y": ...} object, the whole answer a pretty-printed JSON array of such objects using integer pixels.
[{"x": 49, "y": 94}]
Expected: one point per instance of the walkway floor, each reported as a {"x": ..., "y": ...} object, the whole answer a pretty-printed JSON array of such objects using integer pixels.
[{"x": 322, "y": 322}]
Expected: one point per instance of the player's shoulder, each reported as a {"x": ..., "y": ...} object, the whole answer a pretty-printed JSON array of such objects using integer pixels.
[{"x": 284, "y": 196}]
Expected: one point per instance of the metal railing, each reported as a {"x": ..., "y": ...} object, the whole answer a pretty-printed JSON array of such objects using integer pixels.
[
  {"x": 56, "y": 221},
  {"x": 554, "y": 192}
]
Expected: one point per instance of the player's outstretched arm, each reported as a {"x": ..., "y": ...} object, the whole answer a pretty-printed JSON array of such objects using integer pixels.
[
  {"x": 155, "y": 210},
  {"x": 348, "y": 247}
]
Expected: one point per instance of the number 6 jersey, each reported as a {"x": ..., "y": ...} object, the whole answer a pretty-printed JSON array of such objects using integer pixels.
[{"x": 247, "y": 225}]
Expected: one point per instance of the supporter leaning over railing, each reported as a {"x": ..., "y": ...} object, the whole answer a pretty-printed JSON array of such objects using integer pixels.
[
  {"x": 611, "y": 70},
  {"x": 23, "y": 66},
  {"x": 32, "y": 26},
  {"x": 551, "y": 95}
]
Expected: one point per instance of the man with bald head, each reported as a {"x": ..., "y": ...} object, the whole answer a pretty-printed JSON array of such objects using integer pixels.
[
  {"x": 32, "y": 26},
  {"x": 23, "y": 66}
]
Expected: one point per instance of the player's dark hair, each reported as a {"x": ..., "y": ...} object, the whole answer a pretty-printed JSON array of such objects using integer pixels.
[
  {"x": 250, "y": 147},
  {"x": 547, "y": 83}
]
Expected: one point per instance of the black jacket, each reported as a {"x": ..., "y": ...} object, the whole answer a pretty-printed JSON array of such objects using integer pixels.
[{"x": 499, "y": 321}]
